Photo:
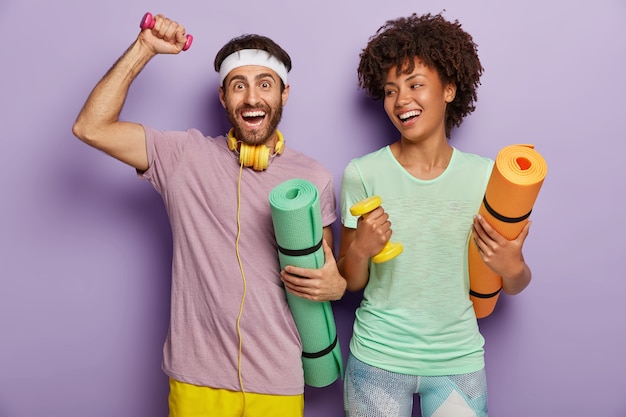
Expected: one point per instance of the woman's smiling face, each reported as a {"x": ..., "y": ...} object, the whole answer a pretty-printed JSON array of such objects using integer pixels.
[{"x": 416, "y": 102}]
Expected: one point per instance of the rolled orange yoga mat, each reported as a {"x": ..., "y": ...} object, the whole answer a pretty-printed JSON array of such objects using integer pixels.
[{"x": 511, "y": 192}]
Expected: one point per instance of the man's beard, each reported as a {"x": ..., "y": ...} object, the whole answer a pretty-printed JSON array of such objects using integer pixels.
[{"x": 255, "y": 136}]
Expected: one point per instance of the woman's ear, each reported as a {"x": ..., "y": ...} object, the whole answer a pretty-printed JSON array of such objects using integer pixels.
[{"x": 449, "y": 92}]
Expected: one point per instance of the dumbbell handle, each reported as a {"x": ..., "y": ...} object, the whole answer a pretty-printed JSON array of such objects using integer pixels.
[
  {"x": 390, "y": 250},
  {"x": 147, "y": 22}
]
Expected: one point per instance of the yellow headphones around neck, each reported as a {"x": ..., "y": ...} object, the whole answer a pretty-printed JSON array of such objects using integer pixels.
[{"x": 257, "y": 157}]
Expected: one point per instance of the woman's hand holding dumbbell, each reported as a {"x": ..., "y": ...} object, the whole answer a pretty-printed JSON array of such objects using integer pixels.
[{"x": 364, "y": 208}]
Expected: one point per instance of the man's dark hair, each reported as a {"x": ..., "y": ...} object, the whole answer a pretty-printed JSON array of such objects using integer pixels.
[{"x": 253, "y": 41}]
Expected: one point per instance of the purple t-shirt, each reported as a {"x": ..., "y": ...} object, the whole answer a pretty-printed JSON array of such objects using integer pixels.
[{"x": 197, "y": 177}]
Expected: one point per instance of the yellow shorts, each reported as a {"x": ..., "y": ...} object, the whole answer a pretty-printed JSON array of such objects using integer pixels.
[{"x": 186, "y": 400}]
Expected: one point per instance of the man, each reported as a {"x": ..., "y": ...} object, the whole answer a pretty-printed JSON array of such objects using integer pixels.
[{"x": 232, "y": 347}]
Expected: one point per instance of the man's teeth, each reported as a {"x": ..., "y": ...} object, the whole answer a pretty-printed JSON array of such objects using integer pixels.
[
  {"x": 412, "y": 113},
  {"x": 257, "y": 113}
]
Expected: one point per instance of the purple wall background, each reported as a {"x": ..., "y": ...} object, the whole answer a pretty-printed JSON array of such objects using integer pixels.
[{"x": 85, "y": 247}]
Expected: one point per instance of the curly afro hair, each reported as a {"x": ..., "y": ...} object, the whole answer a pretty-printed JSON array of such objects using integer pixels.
[{"x": 440, "y": 44}]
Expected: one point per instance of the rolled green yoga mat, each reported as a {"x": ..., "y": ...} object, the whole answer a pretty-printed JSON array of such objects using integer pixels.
[{"x": 297, "y": 220}]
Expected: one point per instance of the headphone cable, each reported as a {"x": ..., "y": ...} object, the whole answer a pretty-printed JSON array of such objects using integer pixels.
[{"x": 243, "y": 296}]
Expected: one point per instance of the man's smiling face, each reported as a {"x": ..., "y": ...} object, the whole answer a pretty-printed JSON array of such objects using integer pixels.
[{"x": 254, "y": 103}]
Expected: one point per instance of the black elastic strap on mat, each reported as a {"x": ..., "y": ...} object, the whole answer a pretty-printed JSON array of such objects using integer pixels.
[
  {"x": 504, "y": 218},
  {"x": 300, "y": 252},
  {"x": 321, "y": 352},
  {"x": 479, "y": 295}
]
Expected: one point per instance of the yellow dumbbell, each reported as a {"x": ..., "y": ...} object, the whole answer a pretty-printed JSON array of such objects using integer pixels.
[{"x": 362, "y": 208}]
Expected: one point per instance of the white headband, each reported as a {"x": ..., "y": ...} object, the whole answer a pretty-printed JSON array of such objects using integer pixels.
[{"x": 252, "y": 57}]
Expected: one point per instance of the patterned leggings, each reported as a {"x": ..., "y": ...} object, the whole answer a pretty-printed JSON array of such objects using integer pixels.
[{"x": 374, "y": 392}]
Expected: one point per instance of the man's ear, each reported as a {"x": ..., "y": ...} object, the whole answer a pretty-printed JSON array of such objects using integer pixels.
[
  {"x": 220, "y": 92},
  {"x": 449, "y": 92},
  {"x": 285, "y": 95}
]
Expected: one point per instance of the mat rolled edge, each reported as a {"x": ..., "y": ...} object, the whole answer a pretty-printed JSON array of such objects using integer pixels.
[{"x": 511, "y": 192}]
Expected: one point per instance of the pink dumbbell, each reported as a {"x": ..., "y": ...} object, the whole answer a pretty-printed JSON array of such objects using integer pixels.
[{"x": 147, "y": 22}]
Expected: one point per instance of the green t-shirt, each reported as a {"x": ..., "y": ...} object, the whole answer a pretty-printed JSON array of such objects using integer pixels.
[{"x": 416, "y": 316}]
